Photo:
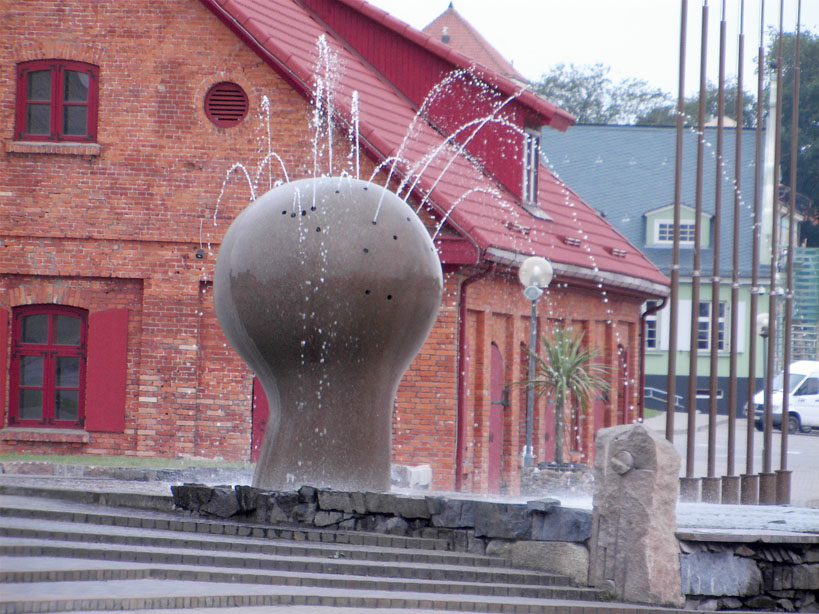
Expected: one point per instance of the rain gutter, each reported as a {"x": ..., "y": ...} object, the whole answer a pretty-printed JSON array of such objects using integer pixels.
[{"x": 617, "y": 280}]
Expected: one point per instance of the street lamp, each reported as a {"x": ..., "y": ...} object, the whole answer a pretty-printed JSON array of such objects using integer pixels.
[
  {"x": 535, "y": 274},
  {"x": 762, "y": 331}
]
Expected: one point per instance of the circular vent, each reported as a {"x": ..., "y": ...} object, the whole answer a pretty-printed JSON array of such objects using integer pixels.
[{"x": 226, "y": 104}]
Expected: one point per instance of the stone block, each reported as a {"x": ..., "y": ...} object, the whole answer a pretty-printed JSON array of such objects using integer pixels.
[
  {"x": 347, "y": 502},
  {"x": 806, "y": 577},
  {"x": 247, "y": 496},
  {"x": 719, "y": 574},
  {"x": 451, "y": 513},
  {"x": 191, "y": 496},
  {"x": 504, "y": 520},
  {"x": 571, "y": 560},
  {"x": 324, "y": 518},
  {"x": 562, "y": 524},
  {"x": 223, "y": 503},
  {"x": 633, "y": 545},
  {"x": 546, "y": 505},
  {"x": 396, "y": 505}
]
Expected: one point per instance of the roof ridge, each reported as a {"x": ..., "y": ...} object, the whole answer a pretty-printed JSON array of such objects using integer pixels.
[
  {"x": 556, "y": 117},
  {"x": 481, "y": 41}
]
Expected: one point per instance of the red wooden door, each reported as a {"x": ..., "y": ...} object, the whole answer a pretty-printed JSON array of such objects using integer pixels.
[
  {"x": 497, "y": 396},
  {"x": 260, "y": 413}
]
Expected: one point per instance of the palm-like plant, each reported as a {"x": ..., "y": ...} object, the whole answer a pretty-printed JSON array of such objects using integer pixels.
[{"x": 567, "y": 370}]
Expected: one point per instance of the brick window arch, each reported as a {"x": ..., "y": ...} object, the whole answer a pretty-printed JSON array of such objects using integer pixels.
[
  {"x": 48, "y": 365},
  {"x": 56, "y": 101}
]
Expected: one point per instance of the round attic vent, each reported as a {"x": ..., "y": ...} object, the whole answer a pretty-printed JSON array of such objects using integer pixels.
[{"x": 226, "y": 104}]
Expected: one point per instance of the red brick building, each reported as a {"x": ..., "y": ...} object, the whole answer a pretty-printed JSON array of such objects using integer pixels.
[{"x": 120, "y": 123}]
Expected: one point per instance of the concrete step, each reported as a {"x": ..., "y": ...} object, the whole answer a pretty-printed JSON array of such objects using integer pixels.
[
  {"x": 22, "y": 547},
  {"x": 155, "y": 594},
  {"x": 58, "y": 555},
  {"x": 17, "y": 507},
  {"x": 42, "y": 569},
  {"x": 39, "y": 529}
]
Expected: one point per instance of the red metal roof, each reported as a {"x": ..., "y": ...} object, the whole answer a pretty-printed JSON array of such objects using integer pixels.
[{"x": 285, "y": 34}]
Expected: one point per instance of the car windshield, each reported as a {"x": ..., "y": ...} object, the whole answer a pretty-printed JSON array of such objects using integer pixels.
[{"x": 795, "y": 380}]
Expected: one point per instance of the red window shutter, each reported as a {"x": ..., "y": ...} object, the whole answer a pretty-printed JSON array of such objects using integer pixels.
[
  {"x": 4, "y": 344},
  {"x": 106, "y": 371}
]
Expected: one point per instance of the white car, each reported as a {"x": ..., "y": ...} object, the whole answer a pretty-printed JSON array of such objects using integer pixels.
[{"x": 803, "y": 399}]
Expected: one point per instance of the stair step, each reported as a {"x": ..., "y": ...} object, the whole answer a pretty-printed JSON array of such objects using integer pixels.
[
  {"x": 41, "y": 571},
  {"x": 168, "y": 556},
  {"x": 69, "y": 532},
  {"x": 220, "y": 527},
  {"x": 75, "y": 556},
  {"x": 173, "y": 594}
]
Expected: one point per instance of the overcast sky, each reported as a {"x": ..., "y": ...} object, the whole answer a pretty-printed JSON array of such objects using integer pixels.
[{"x": 637, "y": 38}]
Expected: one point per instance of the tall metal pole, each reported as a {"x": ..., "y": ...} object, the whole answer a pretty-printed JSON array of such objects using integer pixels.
[
  {"x": 734, "y": 331},
  {"x": 749, "y": 494},
  {"x": 713, "y": 380},
  {"x": 783, "y": 490},
  {"x": 695, "y": 269},
  {"x": 767, "y": 486},
  {"x": 528, "y": 456},
  {"x": 671, "y": 381}
]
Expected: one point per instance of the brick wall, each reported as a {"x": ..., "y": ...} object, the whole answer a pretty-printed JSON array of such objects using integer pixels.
[{"x": 119, "y": 224}]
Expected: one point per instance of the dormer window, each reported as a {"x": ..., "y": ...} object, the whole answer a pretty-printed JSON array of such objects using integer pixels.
[
  {"x": 531, "y": 161},
  {"x": 665, "y": 232},
  {"x": 659, "y": 227}
]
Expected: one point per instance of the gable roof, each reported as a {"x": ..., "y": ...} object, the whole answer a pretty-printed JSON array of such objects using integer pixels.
[
  {"x": 627, "y": 171},
  {"x": 284, "y": 33},
  {"x": 452, "y": 29}
]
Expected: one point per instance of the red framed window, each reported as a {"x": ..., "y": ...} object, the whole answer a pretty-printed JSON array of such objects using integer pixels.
[
  {"x": 56, "y": 101},
  {"x": 48, "y": 366}
]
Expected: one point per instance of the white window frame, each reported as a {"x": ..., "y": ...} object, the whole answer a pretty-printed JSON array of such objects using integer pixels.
[
  {"x": 703, "y": 341},
  {"x": 531, "y": 161},
  {"x": 652, "y": 331},
  {"x": 666, "y": 227}
]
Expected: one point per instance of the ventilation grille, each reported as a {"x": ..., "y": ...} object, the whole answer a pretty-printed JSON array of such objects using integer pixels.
[{"x": 226, "y": 104}]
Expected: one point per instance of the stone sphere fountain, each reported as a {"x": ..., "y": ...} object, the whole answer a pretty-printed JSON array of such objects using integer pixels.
[{"x": 327, "y": 288}]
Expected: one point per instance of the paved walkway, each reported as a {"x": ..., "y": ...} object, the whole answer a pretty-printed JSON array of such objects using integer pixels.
[{"x": 803, "y": 452}]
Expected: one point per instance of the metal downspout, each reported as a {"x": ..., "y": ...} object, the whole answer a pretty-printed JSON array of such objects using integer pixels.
[{"x": 643, "y": 316}]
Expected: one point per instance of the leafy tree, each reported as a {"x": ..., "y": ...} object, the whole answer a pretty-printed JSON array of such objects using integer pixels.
[
  {"x": 807, "y": 157},
  {"x": 567, "y": 372},
  {"x": 666, "y": 115},
  {"x": 588, "y": 93}
]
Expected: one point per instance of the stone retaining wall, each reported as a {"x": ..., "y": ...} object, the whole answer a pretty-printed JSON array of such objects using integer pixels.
[
  {"x": 720, "y": 571},
  {"x": 765, "y": 572},
  {"x": 539, "y": 534}
]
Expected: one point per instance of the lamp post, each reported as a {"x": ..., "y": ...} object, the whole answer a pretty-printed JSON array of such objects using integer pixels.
[
  {"x": 762, "y": 331},
  {"x": 535, "y": 274}
]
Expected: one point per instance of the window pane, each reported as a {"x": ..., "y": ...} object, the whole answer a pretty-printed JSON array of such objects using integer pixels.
[
  {"x": 34, "y": 329},
  {"x": 31, "y": 405},
  {"x": 31, "y": 370},
  {"x": 705, "y": 310},
  {"x": 68, "y": 372},
  {"x": 38, "y": 119},
  {"x": 68, "y": 330},
  {"x": 75, "y": 120},
  {"x": 39, "y": 85},
  {"x": 66, "y": 406},
  {"x": 76, "y": 86}
]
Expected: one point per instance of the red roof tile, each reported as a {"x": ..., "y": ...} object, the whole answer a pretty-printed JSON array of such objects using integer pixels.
[
  {"x": 286, "y": 34},
  {"x": 452, "y": 29}
]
